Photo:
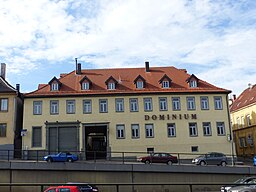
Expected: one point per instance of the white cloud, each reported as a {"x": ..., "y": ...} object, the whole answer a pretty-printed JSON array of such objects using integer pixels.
[{"x": 216, "y": 37}]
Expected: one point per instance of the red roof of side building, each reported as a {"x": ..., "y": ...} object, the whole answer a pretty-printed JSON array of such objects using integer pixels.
[
  {"x": 246, "y": 98},
  {"x": 125, "y": 77}
]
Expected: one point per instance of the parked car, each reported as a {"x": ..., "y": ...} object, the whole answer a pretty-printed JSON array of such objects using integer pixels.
[
  {"x": 159, "y": 158},
  {"x": 61, "y": 157},
  {"x": 85, "y": 187},
  {"x": 243, "y": 188},
  {"x": 63, "y": 189},
  {"x": 212, "y": 158},
  {"x": 239, "y": 181}
]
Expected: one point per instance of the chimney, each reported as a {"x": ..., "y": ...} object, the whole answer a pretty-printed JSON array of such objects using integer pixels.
[
  {"x": 3, "y": 70},
  {"x": 147, "y": 66},
  {"x": 234, "y": 97},
  {"x": 250, "y": 86},
  {"x": 18, "y": 87},
  {"x": 78, "y": 68}
]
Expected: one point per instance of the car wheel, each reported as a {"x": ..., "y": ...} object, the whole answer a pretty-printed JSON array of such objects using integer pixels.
[
  {"x": 70, "y": 160},
  {"x": 202, "y": 163},
  {"x": 147, "y": 162},
  {"x": 169, "y": 162},
  {"x": 49, "y": 160},
  {"x": 223, "y": 163}
]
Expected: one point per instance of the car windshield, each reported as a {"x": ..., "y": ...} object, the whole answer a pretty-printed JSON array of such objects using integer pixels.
[{"x": 240, "y": 180}]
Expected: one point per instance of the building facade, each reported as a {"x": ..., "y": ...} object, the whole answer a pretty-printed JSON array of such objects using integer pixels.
[
  {"x": 11, "y": 111},
  {"x": 127, "y": 109},
  {"x": 243, "y": 118}
]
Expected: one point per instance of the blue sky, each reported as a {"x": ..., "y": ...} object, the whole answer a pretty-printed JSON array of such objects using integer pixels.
[{"x": 213, "y": 39}]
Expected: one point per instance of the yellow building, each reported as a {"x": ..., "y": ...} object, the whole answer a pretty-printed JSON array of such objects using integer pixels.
[
  {"x": 243, "y": 118},
  {"x": 10, "y": 117},
  {"x": 127, "y": 109}
]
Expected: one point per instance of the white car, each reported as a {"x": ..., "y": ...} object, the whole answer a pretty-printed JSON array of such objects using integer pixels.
[{"x": 248, "y": 188}]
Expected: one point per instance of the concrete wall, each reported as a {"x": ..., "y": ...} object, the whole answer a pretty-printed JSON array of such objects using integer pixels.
[{"x": 40, "y": 172}]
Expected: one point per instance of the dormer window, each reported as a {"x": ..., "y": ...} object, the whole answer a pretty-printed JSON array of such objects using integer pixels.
[
  {"x": 85, "y": 85},
  {"x": 54, "y": 87},
  {"x": 111, "y": 83},
  {"x": 165, "y": 84},
  {"x": 139, "y": 85},
  {"x": 192, "y": 81},
  {"x": 165, "y": 81},
  {"x": 54, "y": 84},
  {"x": 140, "y": 82}
]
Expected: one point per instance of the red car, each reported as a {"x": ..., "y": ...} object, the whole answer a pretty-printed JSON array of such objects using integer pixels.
[
  {"x": 63, "y": 189},
  {"x": 159, "y": 158}
]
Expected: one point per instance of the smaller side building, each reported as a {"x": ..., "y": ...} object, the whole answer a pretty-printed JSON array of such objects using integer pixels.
[
  {"x": 11, "y": 115},
  {"x": 243, "y": 119}
]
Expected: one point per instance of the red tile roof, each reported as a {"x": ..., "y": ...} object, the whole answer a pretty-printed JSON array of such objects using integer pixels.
[
  {"x": 70, "y": 83},
  {"x": 246, "y": 98}
]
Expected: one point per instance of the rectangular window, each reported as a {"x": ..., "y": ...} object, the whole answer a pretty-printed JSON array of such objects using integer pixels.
[
  {"x": 207, "y": 129},
  {"x": 204, "y": 103},
  {"x": 163, "y": 104},
  {"x": 193, "y": 129},
  {"x": 139, "y": 84},
  {"x": 242, "y": 121},
  {"x": 3, "y": 127},
  {"x": 193, "y": 83},
  {"x": 134, "y": 105},
  {"x": 194, "y": 148},
  {"x": 54, "y": 86},
  {"x": 87, "y": 106},
  {"x": 248, "y": 120},
  {"x": 85, "y": 85},
  {"x": 135, "y": 131},
  {"x": 220, "y": 128},
  {"x": 54, "y": 107},
  {"x": 242, "y": 142},
  {"x": 36, "y": 136},
  {"x": 37, "y": 107},
  {"x": 103, "y": 105},
  {"x": 119, "y": 105},
  {"x": 175, "y": 103},
  {"x": 111, "y": 86},
  {"x": 171, "y": 130},
  {"x": 148, "y": 104},
  {"x": 71, "y": 106},
  {"x": 165, "y": 84},
  {"x": 4, "y": 104},
  {"x": 218, "y": 103},
  {"x": 238, "y": 122},
  {"x": 149, "y": 130},
  {"x": 120, "y": 132},
  {"x": 191, "y": 103}
]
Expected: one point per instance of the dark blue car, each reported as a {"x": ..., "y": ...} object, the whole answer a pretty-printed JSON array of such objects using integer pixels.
[{"x": 61, "y": 157}]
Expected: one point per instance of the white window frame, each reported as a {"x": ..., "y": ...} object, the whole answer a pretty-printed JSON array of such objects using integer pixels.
[
  {"x": 54, "y": 107},
  {"x": 165, "y": 84},
  {"x": 111, "y": 86},
  {"x": 119, "y": 105},
  {"x": 163, "y": 105},
  {"x": 242, "y": 121},
  {"x": 176, "y": 105},
  {"x": 220, "y": 128},
  {"x": 248, "y": 120},
  {"x": 207, "y": 130},
  {"x": 37, "y": 107},
  {"x": 171, "y": 130},
  {"x": 120, "y": 131},
  {"x": 148, "y": 104},
  {"x": 134, "y": 107},
  {"x": 193, "y": 132},
  {"x": 85, "y": 86},
  {"x": 103, "y": 105},
  {"x": 149, "y": 129},
  {"x": 135, "y": 129},
  {"x": 191, "y": 104},
  {"x": 87, "y": 106},
  {"x": 204, "y": 103},
  {"x": 218, "y": 103},
  {"x": 54, "y": 86},
  {"x": 193, "y": 83},
  {"x": 4, "y": 104},
  {"x": 139, "y": 84},
  {"x": 70, "y": 106}
]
